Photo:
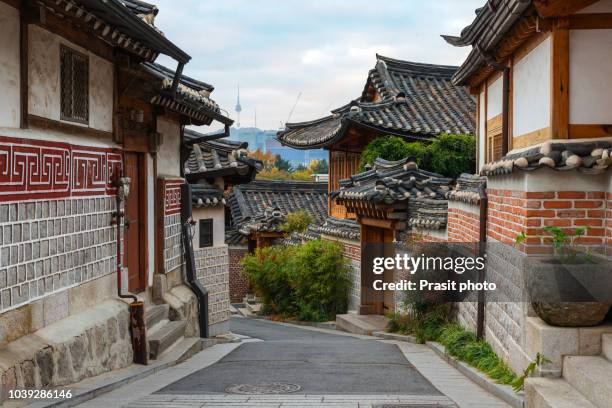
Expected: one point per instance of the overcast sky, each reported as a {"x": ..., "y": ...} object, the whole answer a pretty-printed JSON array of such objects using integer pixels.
[{"x": 321, "y": 48}]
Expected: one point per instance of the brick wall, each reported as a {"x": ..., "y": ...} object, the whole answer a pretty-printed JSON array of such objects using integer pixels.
[
  {"x": 609, "y": 219},
  {"x": 212, "y": 268},
  {"x": 238, "y": 283},
  {"x": 463, "y": 225},
  {"x": 513, "y": 212}
]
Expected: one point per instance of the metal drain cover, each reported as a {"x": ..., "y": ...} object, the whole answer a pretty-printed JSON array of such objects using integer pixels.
[{"x": 263, "y": 388}]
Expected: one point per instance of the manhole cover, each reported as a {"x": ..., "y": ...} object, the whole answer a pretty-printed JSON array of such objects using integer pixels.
[{"x": 261, "y": 389}]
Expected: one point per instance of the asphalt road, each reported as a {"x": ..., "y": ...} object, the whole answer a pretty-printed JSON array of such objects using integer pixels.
[{"x": 320, "y": 363}]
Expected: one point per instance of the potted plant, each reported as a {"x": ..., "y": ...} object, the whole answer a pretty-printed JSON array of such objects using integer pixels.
[{"x": 573, "y": 287}]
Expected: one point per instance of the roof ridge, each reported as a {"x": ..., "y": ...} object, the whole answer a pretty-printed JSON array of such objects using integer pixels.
[{"x": 413, "y": 65}]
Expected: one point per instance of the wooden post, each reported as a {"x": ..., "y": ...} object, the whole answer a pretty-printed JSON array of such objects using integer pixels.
[{"x": 559, "y": 117}]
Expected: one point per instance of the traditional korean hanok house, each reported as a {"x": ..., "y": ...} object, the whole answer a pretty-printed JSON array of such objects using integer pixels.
[
  {"x": 541, "y": 72},
  {"x": 214, "y": 166},
  {"x": 400, "y": 98},
  {"x": 388, "y": 200},
  {"x": 90, "y": 134},
  {"x": 258, "y": 210}
]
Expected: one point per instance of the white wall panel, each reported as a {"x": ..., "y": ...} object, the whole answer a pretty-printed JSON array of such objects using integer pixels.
[
  {"x": 531, "y": 91},
  {"x": 590, "y": 76},
  {"x": 9, "y": 67}
]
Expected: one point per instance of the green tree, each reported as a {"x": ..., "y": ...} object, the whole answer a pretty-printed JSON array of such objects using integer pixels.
[
  {"x": 282, "y": 164},
  {"x": 448, "y": 154},
  {"x": 394, "y": 148},
  {"x": 452, "y": 155},
  {"x": 320, "y": 167}
]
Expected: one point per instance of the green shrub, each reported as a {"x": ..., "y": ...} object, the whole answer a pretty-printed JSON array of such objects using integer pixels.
[
  {"x": 463, "y": 345},
  {"x": 309, "y": 282},
  {"x": 452, "y": 155},
  {"x": 447, "y": 154},
  {"x": 400, "y": 323},
  {"x": 267, "y": 272},
  {"x": 297, "y": 221},
  {"x": 394, "y": 148},
  {"x": 429, "y": 325},
  {"x": 320, "y": 276}
]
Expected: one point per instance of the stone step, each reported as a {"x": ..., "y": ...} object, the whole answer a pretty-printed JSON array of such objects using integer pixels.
[
  {"x": 361, "y": 324},
  {"x": 155, "y": 314},
  {"x": 165, "y": 336},
  {"x": 606, "y": 346},
  {"x": 591, "y": 376},
  {"x": 553, "y": 393},
  {"x": 254, "y": 307}
]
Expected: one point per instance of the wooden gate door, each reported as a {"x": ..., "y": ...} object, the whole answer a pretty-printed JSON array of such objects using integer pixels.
[
  {"x": 134, "y": 232},
  {"x": 372, "y": 240}
]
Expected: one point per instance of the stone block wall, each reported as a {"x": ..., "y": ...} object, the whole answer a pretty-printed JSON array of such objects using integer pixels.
[
  {"x": 80, "y": 346},
  {"x": 238, "y": 283},
  {"x": 212, "y": 266},
  {"x": 464, "y": 226},
  {"x": 51, "y": 245},
  {"x": 352, "y": 252}
]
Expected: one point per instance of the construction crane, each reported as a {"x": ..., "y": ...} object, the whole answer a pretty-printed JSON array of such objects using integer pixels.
[{"x": 294, "y": 105}]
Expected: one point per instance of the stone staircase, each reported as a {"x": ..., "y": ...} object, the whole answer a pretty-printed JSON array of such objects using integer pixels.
[
  {"x": 162, "y": 333},
  {"x": 586, "y": 382}
]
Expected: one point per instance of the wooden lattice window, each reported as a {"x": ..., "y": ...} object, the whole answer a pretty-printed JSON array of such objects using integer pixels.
[
  {"x": 206, "y": 233},
  {"x": 74, "y": 82},
  {"x": 494, "y": 139}
]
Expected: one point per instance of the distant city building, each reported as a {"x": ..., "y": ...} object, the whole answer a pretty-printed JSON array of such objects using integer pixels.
[{"x": 265, "y": 141}]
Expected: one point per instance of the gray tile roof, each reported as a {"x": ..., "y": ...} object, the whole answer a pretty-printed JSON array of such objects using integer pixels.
[
  {"x": 468, "y": 189},
  {"x": 262, "y": 205},
  {"x": 391, "y": 182},
  {"x": 221, "y": 157},
  {"x": 587, "y": 157},
  {"x": 126, "y": 24},
  {"x": 192, "y": 96},
  {"x": 335, "y": 227},
  {"x": 418, "y": 102},
  {"x": 485, "y": 33},
  {"x": 206, "y": 195}
]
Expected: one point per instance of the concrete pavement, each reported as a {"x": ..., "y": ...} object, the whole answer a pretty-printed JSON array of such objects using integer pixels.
[{"x": 331, "y": 368}]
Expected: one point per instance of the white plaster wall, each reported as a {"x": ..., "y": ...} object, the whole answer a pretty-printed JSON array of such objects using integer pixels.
[
  {"x": 590, "y": 76},
  {"x": 218, "y": 215},
  {"x": 9, "y": 66},
  {"x": 101, "y": 78},
  {"x": 150, "y": 218},
  {"x": 168, "y": 156},
  {"x": 548, "y": 180},
  {"x": 481, "y": 131},
  {"x": 531, "y": 91},
  {"x": 495, "y": 98},
  {"x": 43, "y": 73},
  {"x": 44, "y": 80},
  {"x": 603, "y": 6}
]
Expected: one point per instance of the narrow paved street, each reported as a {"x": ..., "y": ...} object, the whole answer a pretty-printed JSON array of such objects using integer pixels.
[{"x": 305, "y": 367}]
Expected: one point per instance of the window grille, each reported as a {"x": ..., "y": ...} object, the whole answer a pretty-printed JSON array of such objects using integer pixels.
[
  {"x": 74, "y": 78},
  {"x": 206, "y": 233}
]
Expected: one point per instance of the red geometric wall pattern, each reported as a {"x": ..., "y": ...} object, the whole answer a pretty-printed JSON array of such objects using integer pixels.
[
  {"x": 172, "y": 196},
  {"x": 38, "y": 169}
]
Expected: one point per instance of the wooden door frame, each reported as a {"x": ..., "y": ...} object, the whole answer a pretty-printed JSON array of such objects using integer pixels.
[{"x": 143, "y": 189}]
